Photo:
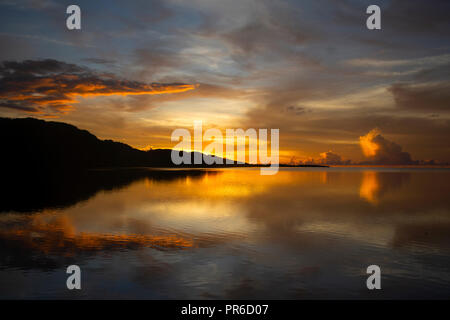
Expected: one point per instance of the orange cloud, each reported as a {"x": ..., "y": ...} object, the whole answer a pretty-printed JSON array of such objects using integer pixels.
[
  {"x": 368, "y": 146},
  {"x": 382, "y": 151},
  {"x": 50, "y": 86},
  {"x": 326, "y": 158}
]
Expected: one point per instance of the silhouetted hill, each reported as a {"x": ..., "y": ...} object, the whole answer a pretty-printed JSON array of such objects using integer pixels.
[
  {"x": 33, "y": 145},
  {"x": 29, "y": 143}
]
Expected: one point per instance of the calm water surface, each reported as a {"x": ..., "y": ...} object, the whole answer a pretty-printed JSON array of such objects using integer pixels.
[{"x": 303, "y": 233}]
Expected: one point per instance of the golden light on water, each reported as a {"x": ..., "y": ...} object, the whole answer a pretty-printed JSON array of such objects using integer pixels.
[
  {"x": 49, "y": 234},
  {"x": 369, "y": 187},
  {"x": 215, "y": 206}
]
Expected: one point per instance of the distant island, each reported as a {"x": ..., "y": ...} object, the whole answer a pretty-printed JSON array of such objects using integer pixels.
[{"x": 34, "y": 144}]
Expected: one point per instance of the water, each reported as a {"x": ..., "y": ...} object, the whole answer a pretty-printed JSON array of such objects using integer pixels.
[{"x": 304, "y": 233}]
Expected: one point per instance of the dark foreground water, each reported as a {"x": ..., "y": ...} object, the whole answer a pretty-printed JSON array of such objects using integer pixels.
[{"x": 231, "y": 233}]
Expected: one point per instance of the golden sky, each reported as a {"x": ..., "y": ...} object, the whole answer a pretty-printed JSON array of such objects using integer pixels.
[{"x": 337, "y": 91}]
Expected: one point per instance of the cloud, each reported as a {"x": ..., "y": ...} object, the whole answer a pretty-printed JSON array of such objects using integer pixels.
[
  {"x": 31, "y": 4},
  {"x": 276, "y": 63},
  {"x": 414, "y": 17},
  {"x": 382, "y": 151},
  {"x": 375, "y": 185},
  {"x": 417, "y": 16},
  {"x": 326, "y": 158},
  {"x": 421, "y": 61},
  {"x": 273, "y": 30},
  {"x": 424, "y": 97},
  {"x": 330, "y": 157},
  {"x": 51, "y": 86},
  {"x": 99, "y": 60},
  {"x": 296, "y": 110}
]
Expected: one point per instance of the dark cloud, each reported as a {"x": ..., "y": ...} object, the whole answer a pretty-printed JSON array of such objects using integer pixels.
[
  {"x": 31, "y": 4},
  {"x": 382, "y": 151},
  {"x": 259, "y": 35},
  {"x": 296, "y": 110},
  {"x": 269, "y": 32},
  {"x": 18, "y": 106},
  {"x": 326, "y": 158},
  {"x": 99, "y": 60},
  {"x": 141, "y": 13},
  {"x": 398, "y": 16},
  {"x": 51, "y": 86},
  {"x": 38, "y": 67},
  {"x": 418, "y": 16},
  {"x": 436, "y": 73},
  {"x": 427, "y": 98},
  {"x": 155, "y": 59},
  {"x": 330, "y": 157}
]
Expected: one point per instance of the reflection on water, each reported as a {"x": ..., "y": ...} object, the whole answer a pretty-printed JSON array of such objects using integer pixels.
[
  {"x": 375, "y": 184},
  {"x": 229, "y": 233}
]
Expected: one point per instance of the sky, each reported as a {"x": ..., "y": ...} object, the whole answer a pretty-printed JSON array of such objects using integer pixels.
[{"x": 137, "y": 70}]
